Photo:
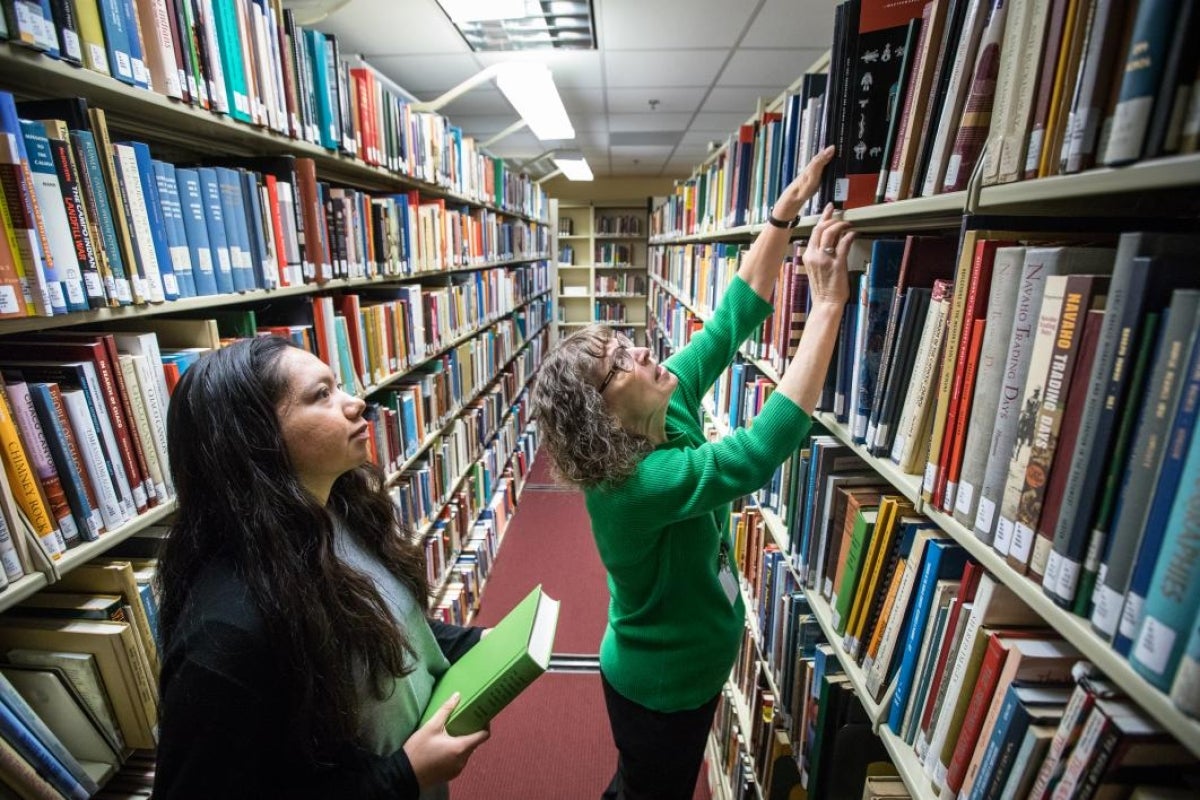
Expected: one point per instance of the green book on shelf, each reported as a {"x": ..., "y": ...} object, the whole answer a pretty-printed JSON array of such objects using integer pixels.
[{"x": 501, "y": 666}]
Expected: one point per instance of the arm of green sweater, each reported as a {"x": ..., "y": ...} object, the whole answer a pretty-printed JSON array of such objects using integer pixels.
[
  {"x": 677, "y": 483},
  {"x": 700, "y": 363}
]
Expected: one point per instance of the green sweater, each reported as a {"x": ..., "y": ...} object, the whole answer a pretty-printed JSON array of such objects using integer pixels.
[{"x": 672, "y": 634}]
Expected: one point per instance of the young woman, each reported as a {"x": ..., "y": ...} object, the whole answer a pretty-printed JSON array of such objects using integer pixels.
[
  {"x": 297, "y": 656},
  {"x": 627, "y": 430}
]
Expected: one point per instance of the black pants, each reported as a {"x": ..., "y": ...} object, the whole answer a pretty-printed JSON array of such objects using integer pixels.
[{"x": 658, "y": 754}]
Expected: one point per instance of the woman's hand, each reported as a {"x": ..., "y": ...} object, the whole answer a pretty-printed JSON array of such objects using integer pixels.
[
  {"x": 825, "y": 260},
  {"x": 798, "y": 192},
  {"x": 435, "y": 755}
]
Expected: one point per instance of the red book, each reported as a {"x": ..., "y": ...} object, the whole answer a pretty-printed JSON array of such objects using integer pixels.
[
  {"x": 272, "y": 185},
  {"x": 316, "y": 256},
  {"x": 976, "y": 308},
  {"x": 981, "y": 698},
  {"x": 964, "y": 413},
  {"x": 966, "y": 594}
]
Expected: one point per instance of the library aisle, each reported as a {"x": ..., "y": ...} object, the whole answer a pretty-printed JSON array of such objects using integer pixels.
[{"x": 553, "y": 741}]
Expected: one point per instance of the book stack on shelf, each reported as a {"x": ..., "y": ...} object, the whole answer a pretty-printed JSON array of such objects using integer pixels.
[
  {"x": 991, "y": 526},
  {"x": 611, "y": 286},
  {"x": 228, "y": 186}
]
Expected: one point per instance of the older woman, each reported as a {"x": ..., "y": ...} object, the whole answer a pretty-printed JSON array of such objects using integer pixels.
[{"x": 628, "y": 432}]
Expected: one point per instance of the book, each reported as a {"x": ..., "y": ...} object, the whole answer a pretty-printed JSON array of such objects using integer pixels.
[{"x": 499, "y": 667}]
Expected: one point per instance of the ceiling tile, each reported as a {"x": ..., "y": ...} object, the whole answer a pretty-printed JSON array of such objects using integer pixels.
[
  {"x": 427, "y": 76},
  {"x": 669, "y": 24},
  {"x": 660, "y": 153},
  {"x": 722, "y": 124},
  {"x": 426, "y": 30},
  {"x": 768, "y": 67},
  {"x": 484, "y": 100},
  {"x": 648, "y": 122},
  {"x": 792, "y": 23},
  {"x": 590, "y": 101},
  {"x": 670, "y": 100},
  {"x": 740, "y": 100},
  {"x": 630, "y": 69}
]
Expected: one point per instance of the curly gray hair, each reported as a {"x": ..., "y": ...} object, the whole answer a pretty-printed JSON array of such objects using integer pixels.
[{"x": 587, "y": 445}]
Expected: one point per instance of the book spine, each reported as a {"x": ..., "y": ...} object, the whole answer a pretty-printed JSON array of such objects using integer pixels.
[
  {"x": 1142, "y": 69},
  {"x": 116, "y": 284},
  {"x": 78, "y": 226},
  {"x": 61, "y": 264},
  {"x": 94, "y": 461},
  {"x": 50, "y": 461},
  {"x": 141, "y": 424},
  {"x": 1145, "y": 460},
  {"x": 27, "y": 490},
  {"x": 148, "y": 285}
]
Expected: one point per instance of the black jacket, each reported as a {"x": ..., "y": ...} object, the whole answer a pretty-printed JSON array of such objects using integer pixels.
[{"x": 222, "y": 709}]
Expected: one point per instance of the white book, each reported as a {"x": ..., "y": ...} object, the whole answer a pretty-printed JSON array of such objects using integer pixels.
[
  {"x": 131, "y": 500},
  {"x": 909, "y": 446},
  {"x": 1031, "y": 404},
  {"x": 141, "y": 422},
  {"x": 153, "y": 385},
  {"x": 150, "y": 286},
  {"x": 92, "y": 454}
]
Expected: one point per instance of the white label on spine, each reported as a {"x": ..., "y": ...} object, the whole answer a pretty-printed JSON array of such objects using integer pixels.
[
  {"x": 985, "y": 514},
  {"x": 1131, "y": 615},
  {"x": 962, "y": 502},
  {"x": 170, "y": 285},
  {"x": 91, "y": 282},
  {"x": 71, "y": 44},
  {"x": 952, "y": 169},
  {"x": 9, "y": 302},
  {"x": 97, "y": 58},
  {"x": 1004, "y": 536},
  {"x": 931, "y": 470},
  {"x": 1154, "y": 645}
]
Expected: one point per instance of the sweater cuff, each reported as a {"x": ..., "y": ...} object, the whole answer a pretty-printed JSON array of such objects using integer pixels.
[
  {"x": 406, "y": 779},
  {"x": 782, "y": 423}
]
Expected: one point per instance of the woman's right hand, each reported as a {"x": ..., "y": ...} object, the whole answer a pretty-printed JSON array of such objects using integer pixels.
[
  {"x": 825, "y": 259},
  {"x": 436, "y": 756}
]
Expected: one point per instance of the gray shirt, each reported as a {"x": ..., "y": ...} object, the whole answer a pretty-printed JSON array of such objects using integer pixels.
[{"x": 386, "y": 724}]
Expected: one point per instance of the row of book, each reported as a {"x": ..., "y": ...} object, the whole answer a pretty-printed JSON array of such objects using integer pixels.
[
  {"x": 1043, "y": 393},
  {"x": 566, "y": 254},
  {"x": 403, "y": 416},
  {"x": 459, "y": 599},
  {"x": 79, "y": 676},
  {"x": 619, "y": 224},
  {"x": 623, "y": 283},
  {"x": 611, "y": 311},
  {"x": 92, "y": 223},
  {"x": 486, "y": 443},
  {"x": 250, "y": 61},
  {"x": 84, "y": 413},
  {"x": 614, "y": 255},
  {"x": 992, "y": 703},
  {"x": 918, "y": 93},
  {"x": 1072, "y": 455}
]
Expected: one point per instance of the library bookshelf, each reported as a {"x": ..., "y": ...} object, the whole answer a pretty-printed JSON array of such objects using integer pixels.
[
  {"x": 496, "y": 290},
  {"x": 601, "y": 266},
  {"x": 1143, "y": 189}
]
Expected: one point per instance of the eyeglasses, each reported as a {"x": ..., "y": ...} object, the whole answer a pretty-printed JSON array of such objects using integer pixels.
[{"x": 622, "y": 361}]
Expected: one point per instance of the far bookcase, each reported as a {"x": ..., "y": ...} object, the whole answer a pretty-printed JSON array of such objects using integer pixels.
[{"x": 602, "y": 267}]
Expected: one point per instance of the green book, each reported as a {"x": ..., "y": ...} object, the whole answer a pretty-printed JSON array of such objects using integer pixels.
[
  {"x": 860, "y": 542},
  {"x": 499, "y": 667}
]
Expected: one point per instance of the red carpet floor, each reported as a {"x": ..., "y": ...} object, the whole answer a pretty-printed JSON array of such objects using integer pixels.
[
  {"x": 549, "y": 541},
  {"x": 553, "y": 742}
]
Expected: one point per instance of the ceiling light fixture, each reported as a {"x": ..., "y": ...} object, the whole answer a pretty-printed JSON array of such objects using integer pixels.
[
  {"x": 529, "y": 87},
  {"x": 500, "y": 25},
  {"x": 573, "y": 167}
]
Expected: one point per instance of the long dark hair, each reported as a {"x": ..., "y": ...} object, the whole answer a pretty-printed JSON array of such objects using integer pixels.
[{"x": 240, "y": 500}]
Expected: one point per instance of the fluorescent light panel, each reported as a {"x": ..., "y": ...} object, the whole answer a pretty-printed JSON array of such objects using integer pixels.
[
  {"x": 499, "y": 25},
  {"x": 529, "y": 86},
  {"x": 574, "y": 168}
]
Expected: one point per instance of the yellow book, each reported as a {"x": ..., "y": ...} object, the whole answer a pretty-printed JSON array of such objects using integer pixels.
[
  {"x": 91, "y": 32},
  {"x": 1074, "y": 37},
  {"x": 10, "y": 262},
  {"x": 115, "y": 576},
  {"x": 26, "y": 488},
  {"x": 891, "y": 509}
]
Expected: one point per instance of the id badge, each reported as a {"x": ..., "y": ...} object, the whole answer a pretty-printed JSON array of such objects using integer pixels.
[{"x": 728, "y": 581}]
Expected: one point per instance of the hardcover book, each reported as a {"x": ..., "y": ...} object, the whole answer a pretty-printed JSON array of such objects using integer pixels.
[{"x": 501, "y": 666}]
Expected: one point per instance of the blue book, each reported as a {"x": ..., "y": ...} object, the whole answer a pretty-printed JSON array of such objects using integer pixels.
[
  {"x": 137, "y": 61},
  {"x": 20, "y": 709},
  {"x": 229, "y": 44},
  {"x": 88, "y": 157},
  {"x": 326, "y": 121},
  {"x": 879, "y": 284},
  {"x": 39, "y": 757},
  {"x": 233, "y": 209},
  {"x": 218, "y": 240},
  {"x": 1143, "y": 64},
  {"x": 195, "y": 226},
  {"x": 408, "y": 420},
  {"x": 88, "y": 524},
  {"x": 266, "y": 272},
  {"x": 1167, "y": 487},
  {"x": 116, "y": 39},
  {"x": 737, "y": 372},
  {"x": 146, "y": 592},
  {"x": 176, "y": 236},
  {"x": 1023, "y": 706},
  {"x": 943, "y": 560},
  {"x": 62, "y": 264},
  {"x": 1173, "y": 599},
  {"x": 158, "y": 224}
]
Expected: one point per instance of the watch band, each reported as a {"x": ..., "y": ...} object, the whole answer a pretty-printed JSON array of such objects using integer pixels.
[{"x": 780, "y": 223}]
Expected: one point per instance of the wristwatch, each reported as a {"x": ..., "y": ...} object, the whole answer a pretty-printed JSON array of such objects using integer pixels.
[{"x": 780, "y": 223}]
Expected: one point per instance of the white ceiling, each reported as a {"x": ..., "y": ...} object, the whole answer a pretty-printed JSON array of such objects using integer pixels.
[{"x": 706, "y": 62}]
